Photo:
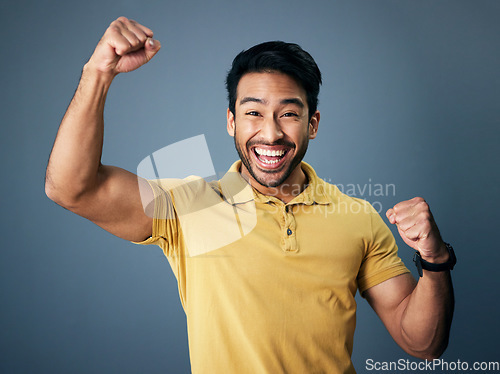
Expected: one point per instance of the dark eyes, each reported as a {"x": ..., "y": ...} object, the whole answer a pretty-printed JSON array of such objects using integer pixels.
[{"x": 288, "y": 114}]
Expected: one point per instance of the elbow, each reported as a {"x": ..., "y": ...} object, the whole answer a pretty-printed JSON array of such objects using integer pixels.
[
  {"x": 429, "y": 356},
  {"x": 427, "y": 343},
  {"x": 437, "y": 351},
  {"x": 60, "y": 195},
  {"x": 50, "y": 191},
  {"x": 69, "y": 190},
  {"x": 432, "y": 352},
  {"x": 55, "y": 195}
]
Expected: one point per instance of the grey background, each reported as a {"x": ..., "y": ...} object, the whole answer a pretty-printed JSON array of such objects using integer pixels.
[{"x": 410, "y": 98}]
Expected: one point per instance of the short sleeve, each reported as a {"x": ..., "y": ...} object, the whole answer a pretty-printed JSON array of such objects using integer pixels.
[
  {"x": 381, "y": 260},
  {"x": 165, "y": 228}
]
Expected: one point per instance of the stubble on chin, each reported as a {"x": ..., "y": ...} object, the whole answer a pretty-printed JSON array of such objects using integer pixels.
[{"x": 245, "y": 159}]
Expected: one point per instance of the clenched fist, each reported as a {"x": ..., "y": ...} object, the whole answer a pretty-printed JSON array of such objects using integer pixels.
[
  {"x": 418, "y": 229},
  {"x": 125, "y": 46}
]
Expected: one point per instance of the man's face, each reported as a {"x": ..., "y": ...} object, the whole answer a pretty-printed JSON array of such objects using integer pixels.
[{"x": 271, "y": 128}]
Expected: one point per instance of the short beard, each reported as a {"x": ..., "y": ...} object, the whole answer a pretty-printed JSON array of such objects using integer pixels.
[{"x": 293, "y": 164}]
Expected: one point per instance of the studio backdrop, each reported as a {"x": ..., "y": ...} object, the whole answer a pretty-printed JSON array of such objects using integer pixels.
[{"x": 409, "y": 107}]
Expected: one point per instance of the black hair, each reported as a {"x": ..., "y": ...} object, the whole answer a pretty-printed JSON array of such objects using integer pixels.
[{"x": 286, "y": 58}]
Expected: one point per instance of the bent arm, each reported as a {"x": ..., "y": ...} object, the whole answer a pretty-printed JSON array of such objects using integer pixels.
[
  {"x": 75, "y": 178},
  {"x": 418, "y": 316}
]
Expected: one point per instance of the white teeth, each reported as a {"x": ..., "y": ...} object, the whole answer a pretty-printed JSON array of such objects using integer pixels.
[
  {"x": 266, "y": 152},
  {"x": 270, "y": 162}
]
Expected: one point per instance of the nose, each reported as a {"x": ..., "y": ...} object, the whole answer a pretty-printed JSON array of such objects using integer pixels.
[{"x": 271, "y": 130}]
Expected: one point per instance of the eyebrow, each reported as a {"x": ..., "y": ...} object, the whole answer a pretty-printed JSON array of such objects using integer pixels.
[
  {"x": 294, "y": 101},
  {"x": 252, "y": 100}
]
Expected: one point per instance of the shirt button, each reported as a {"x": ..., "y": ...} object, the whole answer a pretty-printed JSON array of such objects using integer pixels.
[{"x": 289, "y": 232}]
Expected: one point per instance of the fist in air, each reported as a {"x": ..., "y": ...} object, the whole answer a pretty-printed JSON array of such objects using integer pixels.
[
  {"x": 125, "y": 46},
  {"x": 418, "y": 229}
]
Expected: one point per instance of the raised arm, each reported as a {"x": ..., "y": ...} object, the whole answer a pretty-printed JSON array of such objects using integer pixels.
[
  {"x": 417, "y": 315},
  {"x": 75, "y": 178}
]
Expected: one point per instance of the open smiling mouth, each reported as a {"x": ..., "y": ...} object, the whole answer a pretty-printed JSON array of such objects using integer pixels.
[{"x": 270, "y": 159}]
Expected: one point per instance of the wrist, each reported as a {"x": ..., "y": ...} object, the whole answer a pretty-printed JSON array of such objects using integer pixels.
[
  {"x": 441, "y": 256},
  {"x": 92, "y": 72},
  {"x": 423, "y": 264}
]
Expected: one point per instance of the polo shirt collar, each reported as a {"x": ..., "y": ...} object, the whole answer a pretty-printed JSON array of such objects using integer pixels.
[
  {"x": 237, "y": 190},
  {"x": 315, "y": 192},
  {"x": 234, "y": 187}
]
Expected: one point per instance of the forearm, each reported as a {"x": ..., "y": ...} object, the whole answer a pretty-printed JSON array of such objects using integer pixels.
[
  {"x": 426, "y": 319},
  {"x": 75, "y": 158},
  {"x": 419, "y": 316}
]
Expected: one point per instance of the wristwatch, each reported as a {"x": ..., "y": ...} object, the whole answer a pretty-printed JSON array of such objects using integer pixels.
[{"x": 425, "y": 265}]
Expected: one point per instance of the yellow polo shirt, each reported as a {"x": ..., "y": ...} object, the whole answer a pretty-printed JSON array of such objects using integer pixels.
[{"x": 269, "y": 287}]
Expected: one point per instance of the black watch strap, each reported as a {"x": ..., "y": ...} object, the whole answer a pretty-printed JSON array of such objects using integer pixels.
[{"x": 425, "y": 265}]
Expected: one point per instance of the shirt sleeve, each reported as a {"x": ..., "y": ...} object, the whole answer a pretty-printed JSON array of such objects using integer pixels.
[
  {"x": 165, "y": 230},
  {"x": 381, "y": 261}
]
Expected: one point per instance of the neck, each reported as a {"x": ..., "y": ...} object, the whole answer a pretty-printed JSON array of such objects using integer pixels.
[{"x": 287, "y": 191}]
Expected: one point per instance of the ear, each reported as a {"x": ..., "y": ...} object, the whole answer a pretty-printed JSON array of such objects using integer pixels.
[
  {"x": 230, "y": 123},
  {"x": 313, "y": 125}
]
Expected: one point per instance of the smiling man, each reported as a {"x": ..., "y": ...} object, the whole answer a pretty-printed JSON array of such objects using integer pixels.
[
  {"x": 273, "y": 132},
  {"x": 267, "y": 276}
]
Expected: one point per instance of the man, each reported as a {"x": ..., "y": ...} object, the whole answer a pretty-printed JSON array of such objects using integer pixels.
[{"x": 278, "y": 295}]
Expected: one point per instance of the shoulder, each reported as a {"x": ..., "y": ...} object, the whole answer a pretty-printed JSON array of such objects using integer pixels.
[{"x": 331, "y": 192}]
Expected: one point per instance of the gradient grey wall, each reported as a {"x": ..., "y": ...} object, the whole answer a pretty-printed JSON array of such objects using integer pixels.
[{"x": 410, "y": 98}]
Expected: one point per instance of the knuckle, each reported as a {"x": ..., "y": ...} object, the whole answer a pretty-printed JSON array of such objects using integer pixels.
[
  {"x": 136, "y": 42},
  {"x": 123, "y": 47},
  {"x": 424, "y": 216},
  {"x": 114, "y": 29},
  {"x": 112, "y": 26},
  {"x": 423, "y": 205},
  {"x": 116, "y": 25}
]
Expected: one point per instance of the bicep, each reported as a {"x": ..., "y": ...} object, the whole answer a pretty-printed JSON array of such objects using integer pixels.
[
  {"x": 115, "y": 204},
  {"x": 389, "y": 300}
]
